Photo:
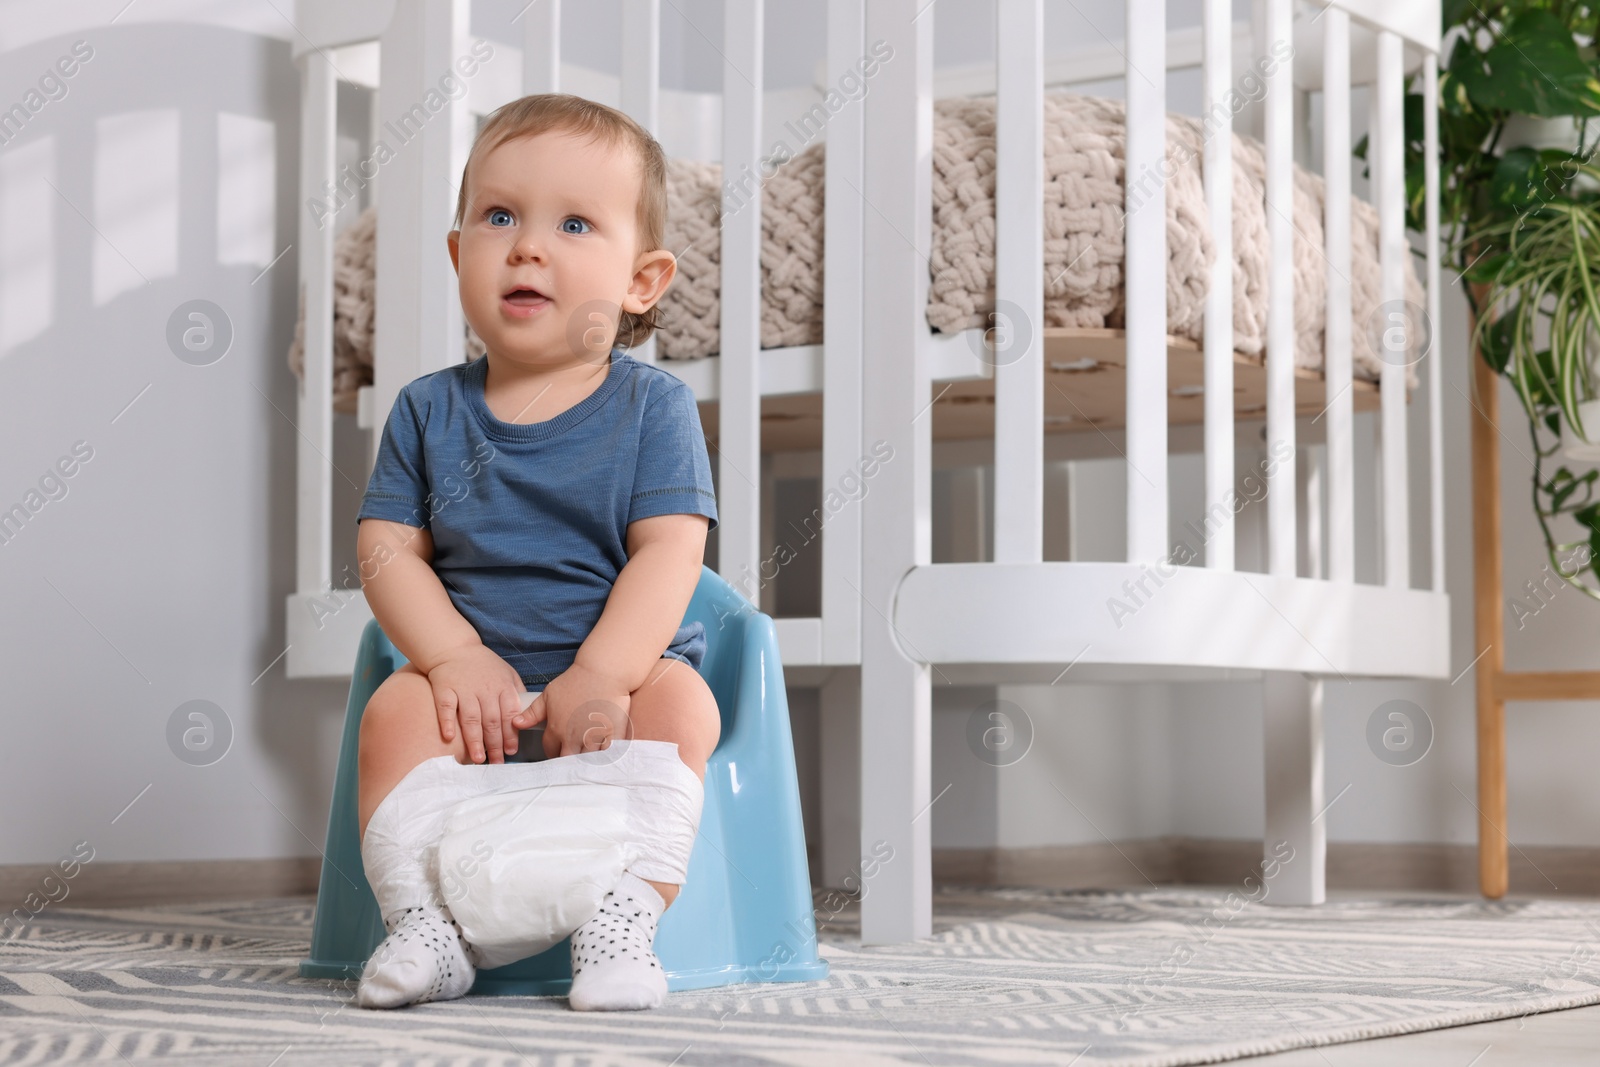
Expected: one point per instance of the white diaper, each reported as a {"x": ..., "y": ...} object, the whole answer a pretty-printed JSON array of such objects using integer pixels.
[{"x": 525, "y": 865}]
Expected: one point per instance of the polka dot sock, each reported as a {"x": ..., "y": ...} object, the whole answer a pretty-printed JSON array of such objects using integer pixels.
[
  {"x": 422, "y": 959},
  {"x": 614, "y": 967}
]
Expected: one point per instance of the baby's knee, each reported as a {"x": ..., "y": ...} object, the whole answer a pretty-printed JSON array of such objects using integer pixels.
[
  {"x": 377, "y": 720},
  {"x": 385, "y": 714},
  {"x": 677, "y": 705},
  {"x": 705, "y": 722},
  {"x": 400, "y": 717}
]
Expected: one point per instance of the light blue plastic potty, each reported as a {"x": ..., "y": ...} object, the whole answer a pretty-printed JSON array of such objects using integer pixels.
[{"x": 745, "y": 913}]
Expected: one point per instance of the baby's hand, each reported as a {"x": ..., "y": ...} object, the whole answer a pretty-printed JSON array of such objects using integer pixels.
[
  {"x": 481, "y": 690},
  {"x": 582, "y": 711}
]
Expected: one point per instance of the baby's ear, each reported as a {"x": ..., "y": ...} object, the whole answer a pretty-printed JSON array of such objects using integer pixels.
[{"x": 651, "y": 279}]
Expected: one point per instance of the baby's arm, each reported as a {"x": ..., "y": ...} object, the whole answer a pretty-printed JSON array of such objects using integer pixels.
[
  {"x": 643, "y": 610},
  {"x": 470, "y": 681},
  {"x": 648, "y": 599}
]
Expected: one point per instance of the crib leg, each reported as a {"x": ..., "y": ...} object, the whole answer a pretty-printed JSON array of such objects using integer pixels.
[
  {"x": 1292, "y": 722},
  {"x": 840, "y": 822},
  {"x": 896, "y": 865}
]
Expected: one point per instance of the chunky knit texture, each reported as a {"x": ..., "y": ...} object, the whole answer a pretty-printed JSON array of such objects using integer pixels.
[{"x": 1083, "y": 244}]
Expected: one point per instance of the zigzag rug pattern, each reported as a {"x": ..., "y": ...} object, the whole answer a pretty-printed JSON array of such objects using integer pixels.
[{"x": 1132, "y": 979}]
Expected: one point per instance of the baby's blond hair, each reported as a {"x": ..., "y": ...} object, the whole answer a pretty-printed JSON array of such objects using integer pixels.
[{"x": 529, "y": 116}]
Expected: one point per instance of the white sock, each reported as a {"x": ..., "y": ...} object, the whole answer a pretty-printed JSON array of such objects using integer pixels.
[
  {"x": 614, "y": 967},
  {"x": 422, "y": 959}
]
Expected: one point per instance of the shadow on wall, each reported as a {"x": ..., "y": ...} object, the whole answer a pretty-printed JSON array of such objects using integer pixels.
[{"x": 147, "y": 296}]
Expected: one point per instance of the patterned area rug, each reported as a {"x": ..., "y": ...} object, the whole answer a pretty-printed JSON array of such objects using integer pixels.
[{"x": 1162, "y": 977}]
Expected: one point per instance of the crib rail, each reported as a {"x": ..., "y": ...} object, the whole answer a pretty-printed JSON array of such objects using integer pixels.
[
  {"x": 1019, "y": 284},
  {"x": 1217, "y": 67},
  {"x": 1281, "y": 516},
  {"x": 1336, "y": 145}
]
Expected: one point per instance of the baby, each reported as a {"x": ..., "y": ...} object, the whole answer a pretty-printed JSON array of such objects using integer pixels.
[{"x": 535, "y": 522}]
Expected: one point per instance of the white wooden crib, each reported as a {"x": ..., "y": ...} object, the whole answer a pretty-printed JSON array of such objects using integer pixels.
[{"x": 885, "y": 608}]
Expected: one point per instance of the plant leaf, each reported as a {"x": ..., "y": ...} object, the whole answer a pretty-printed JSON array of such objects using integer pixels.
[
  {"x": 1516, "y": 177},
  {"x": 1496, "y": 341},
  {"x": 1562, "y": 494},
  {"x": 1534, "y": 68},
  {"x": 1527, "y": 176},
  {"x": 1488, "y": 268},
  {"x": 1589, "y": 515},
  {"x": 1452, "y": 12}
]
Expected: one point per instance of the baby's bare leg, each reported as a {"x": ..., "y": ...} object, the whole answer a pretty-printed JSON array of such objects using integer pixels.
[
  {"x": 675, "y": 704},
  {"x": 399, "y": 730}
]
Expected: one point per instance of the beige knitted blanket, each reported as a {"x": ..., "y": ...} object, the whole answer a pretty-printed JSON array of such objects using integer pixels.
[{"x": 1083, "y": 245}]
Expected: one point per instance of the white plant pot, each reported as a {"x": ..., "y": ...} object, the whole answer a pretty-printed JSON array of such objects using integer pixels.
[{"x": 1574, "y": 445}]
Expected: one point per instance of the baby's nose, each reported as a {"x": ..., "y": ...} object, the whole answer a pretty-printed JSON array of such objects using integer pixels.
[{"x": 527, "y": 246}]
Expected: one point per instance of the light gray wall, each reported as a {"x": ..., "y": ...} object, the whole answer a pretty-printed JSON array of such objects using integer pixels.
[{"x": 166, "y": 174}]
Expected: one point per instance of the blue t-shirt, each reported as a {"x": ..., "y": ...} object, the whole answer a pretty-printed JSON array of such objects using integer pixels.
[{"x": 529, "y": 521}]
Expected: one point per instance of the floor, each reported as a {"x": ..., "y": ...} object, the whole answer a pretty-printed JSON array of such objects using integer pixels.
[
  {"x": 1551, "y": 1039},
  {"x": 1548, "y": 1039},
  {"x": 217, "y": 984}
]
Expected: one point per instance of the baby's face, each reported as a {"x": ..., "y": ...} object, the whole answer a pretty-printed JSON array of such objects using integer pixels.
[{"x": 557, "y": 215}]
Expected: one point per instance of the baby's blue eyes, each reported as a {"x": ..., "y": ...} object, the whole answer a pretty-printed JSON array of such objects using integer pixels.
[{"x": 494, "y": 213}]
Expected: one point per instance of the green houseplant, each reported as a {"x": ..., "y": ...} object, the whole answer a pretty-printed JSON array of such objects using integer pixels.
[{"x": 1522, "y": 225}]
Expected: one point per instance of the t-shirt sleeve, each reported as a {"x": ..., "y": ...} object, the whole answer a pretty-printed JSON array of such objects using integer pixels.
[
  {"x": 673, "y": 476},
  {"x": 398, "y": 487}
]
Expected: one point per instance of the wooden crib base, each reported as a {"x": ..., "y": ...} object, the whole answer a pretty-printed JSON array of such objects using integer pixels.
[{"x": 1086, "y": 377}]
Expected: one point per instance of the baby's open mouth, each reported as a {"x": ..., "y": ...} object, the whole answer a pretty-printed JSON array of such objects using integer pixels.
[
  {"x": 525, "y": 298},
  {"x": 524, "y": 303}
]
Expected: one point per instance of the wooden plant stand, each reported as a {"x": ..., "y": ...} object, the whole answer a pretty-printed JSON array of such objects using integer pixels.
[{"x": 1495, "y": 684}]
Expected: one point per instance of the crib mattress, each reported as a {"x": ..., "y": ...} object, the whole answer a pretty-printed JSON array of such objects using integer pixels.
[{"x": 1083, "y": 250}]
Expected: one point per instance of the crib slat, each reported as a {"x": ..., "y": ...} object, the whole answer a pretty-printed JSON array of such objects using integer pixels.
[
  {"x": 1430, "y": 134},
  {"x": 314, "y": 448},
  {"x": 375, "y": 123},
  {"x": 896, "y": 697},
  {"x": 541, "y": 47},
  {"x": 1312, "y": 474},
  {"x": 641, "y": 62},
  {"x": 641, "y": 89},
  {"x": 1145, "y": 273},
  {"x": 1392, "y": 253},
  {"x": 1279, "y": 117},
  {"x": 418, "y": 324},
  {"x": 1337, "y": 416},
  {"x": 1218, "y": 177},
  {"x": 843, "y": 442},
  {"x": 738, "y": 377},
  {"x": 1017, "y": 326}
]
